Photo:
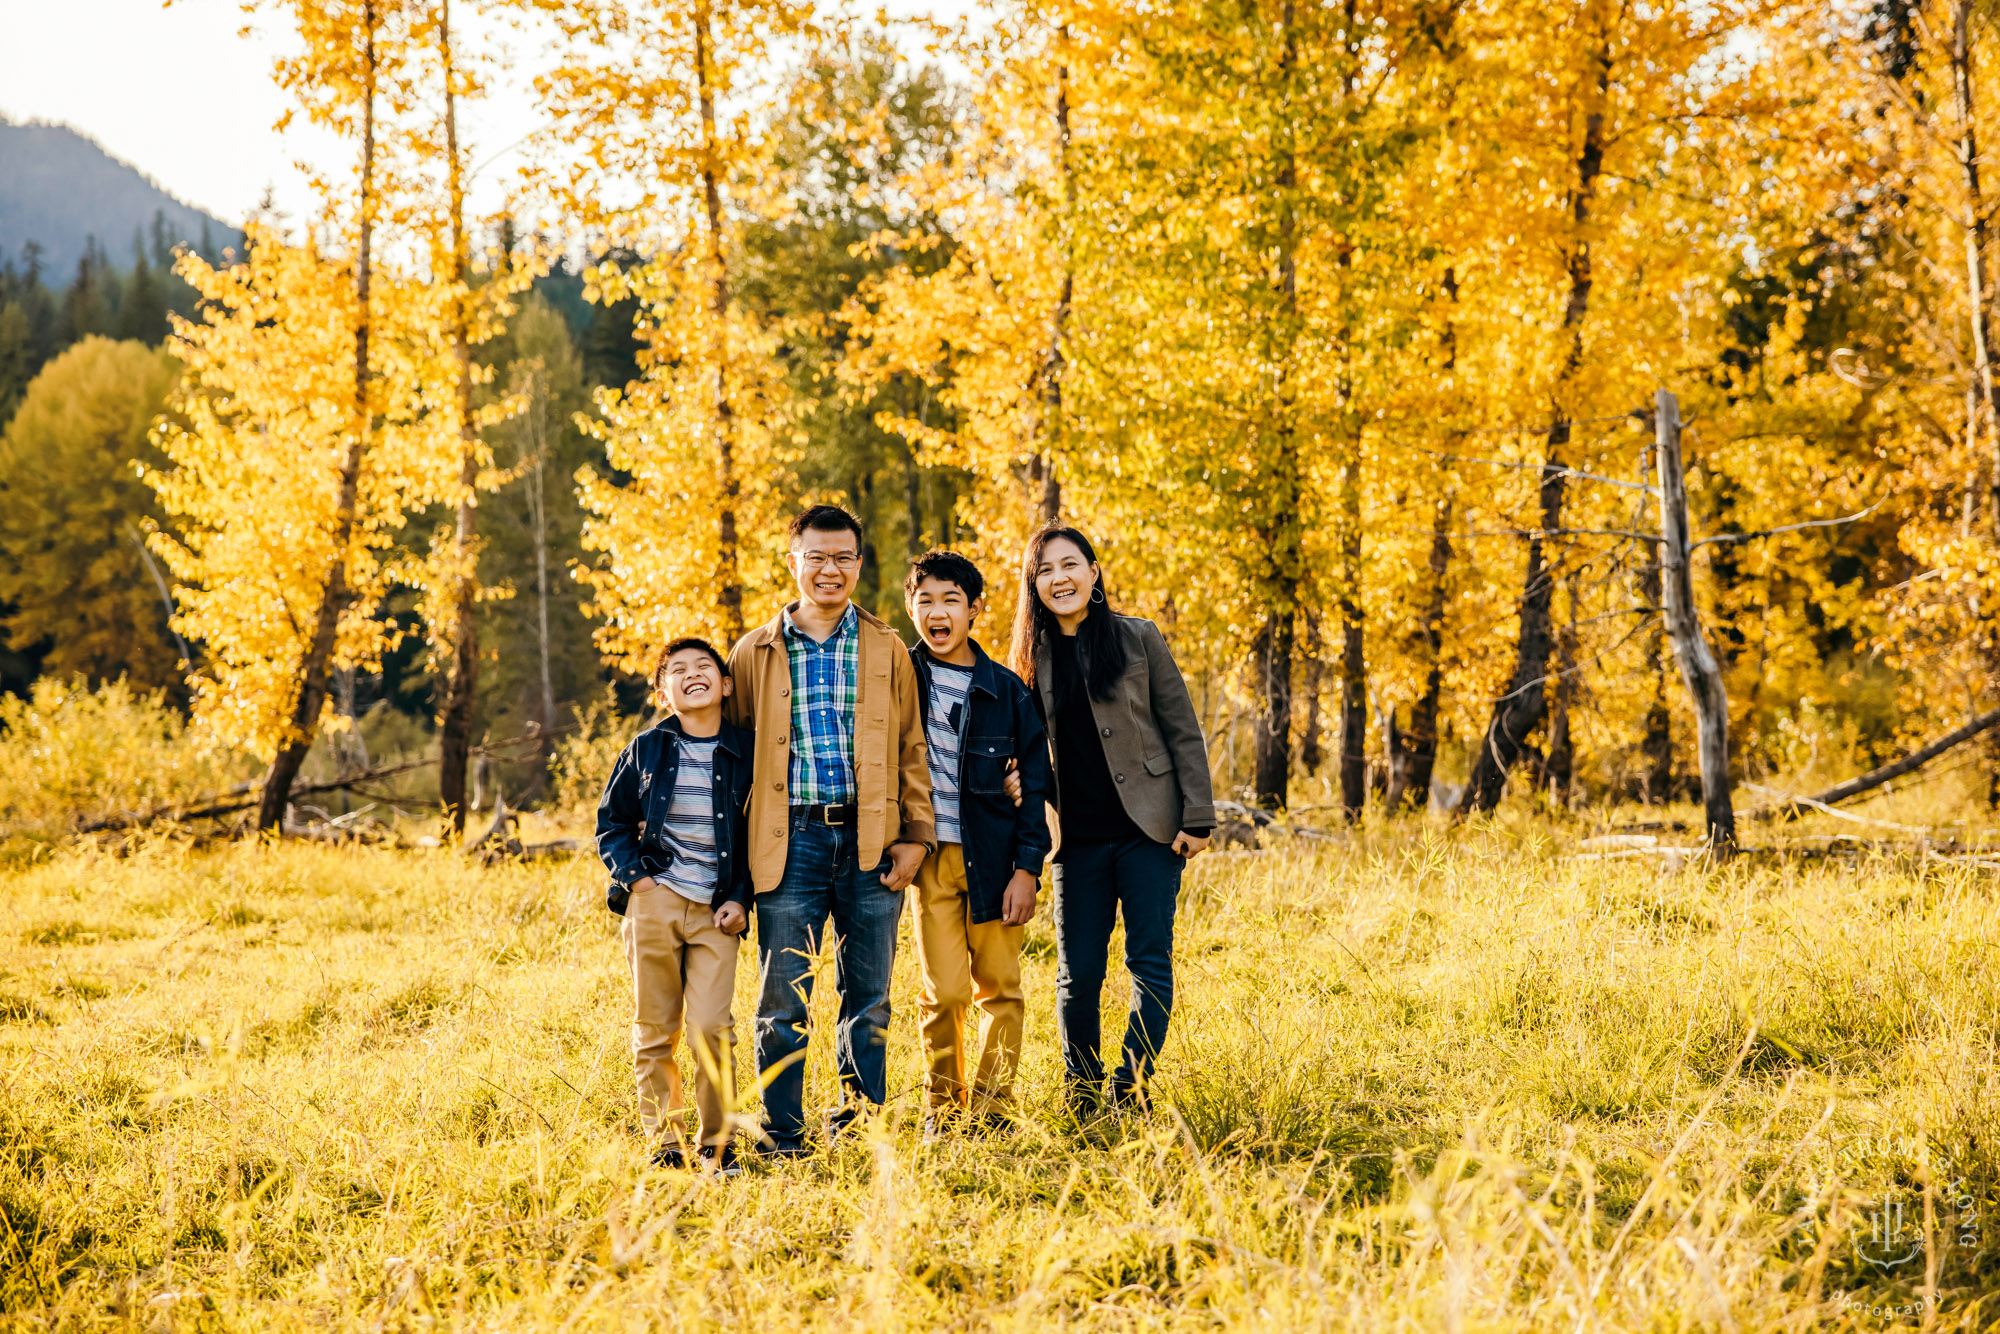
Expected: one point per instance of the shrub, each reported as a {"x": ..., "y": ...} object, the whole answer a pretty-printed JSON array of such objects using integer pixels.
[{"x": 71, "y": 755}]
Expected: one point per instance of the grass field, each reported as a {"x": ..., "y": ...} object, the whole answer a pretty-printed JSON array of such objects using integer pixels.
[{"x": 1415, "y": 1083}]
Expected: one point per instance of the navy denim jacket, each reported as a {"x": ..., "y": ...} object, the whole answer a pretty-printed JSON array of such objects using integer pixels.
[
  {"x": 1004, "y": 723},
  {"x": 634, "y": 808}
]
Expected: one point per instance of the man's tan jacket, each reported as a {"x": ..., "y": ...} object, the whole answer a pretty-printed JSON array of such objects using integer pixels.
[{"x": 891, "y": 775}]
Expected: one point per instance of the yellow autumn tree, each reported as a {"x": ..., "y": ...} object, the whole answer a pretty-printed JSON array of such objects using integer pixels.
[
  {"x": 661, "y": 157},
  {"x": 472, "y": 310},
  {"x": 303, "y": 377},
  {"x": 263, "y": 489},
  {"x": 985, "y": 331}
]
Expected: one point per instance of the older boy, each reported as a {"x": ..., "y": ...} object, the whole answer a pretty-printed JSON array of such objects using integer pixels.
[
  {"x": 671, "y": 830},
  {"x": 977, "y": 894},
  {"x": 840, "y": 818}
]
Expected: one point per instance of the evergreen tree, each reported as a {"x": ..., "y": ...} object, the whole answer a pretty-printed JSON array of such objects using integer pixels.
[
  {"x": 142, "y": 310},
  {"x": 90, "y": 302}
]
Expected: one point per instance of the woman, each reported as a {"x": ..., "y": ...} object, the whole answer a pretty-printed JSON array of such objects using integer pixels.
[{"x": 1132, "y": 791}]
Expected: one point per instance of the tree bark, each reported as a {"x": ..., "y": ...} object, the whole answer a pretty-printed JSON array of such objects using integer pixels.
[
  {"x": 461, "y": 690},
  {"x": 1353, "y": 649},
  {"x": 729, "y": 576},
  {"x": 1559, "y": 765},
  {"x": 1963, "y": 57},
  {"x": 1282, "y": 583},
  {"x": 1274, "y": 722},
  {"x": 1516, "y": 713},
  {"x": 1416, "y": 748},
  {"x": 1046, "y": 494},
  {"x": 314, "y": 667},
  {"x": 1311, "y": 753},
  {"x": 538, "y": 516},
  {"x": 1699, "y": 669}
]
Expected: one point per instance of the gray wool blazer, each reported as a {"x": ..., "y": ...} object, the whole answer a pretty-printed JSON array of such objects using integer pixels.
[{"x": 1151, "y": 735}]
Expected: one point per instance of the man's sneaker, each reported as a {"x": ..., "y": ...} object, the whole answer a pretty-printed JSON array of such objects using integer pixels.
[
  {"x": 935, "y": 1127},
  {"x": 722, "y": 1161},
  {"x": 780, "y": 1152},
  {"x": 670, "y": 1156}
]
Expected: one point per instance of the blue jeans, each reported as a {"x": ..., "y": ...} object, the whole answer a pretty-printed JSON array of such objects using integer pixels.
[
  {"x": 1092, "y": 882},
  {"x": 823, "y": 880}
]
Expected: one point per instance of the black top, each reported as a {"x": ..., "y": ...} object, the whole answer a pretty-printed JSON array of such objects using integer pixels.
[{"x": 1085, "y": 793}]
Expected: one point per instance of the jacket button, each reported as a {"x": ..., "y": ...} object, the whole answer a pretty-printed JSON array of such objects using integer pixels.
[
  {"x": 777, "y": 787},
  {"x": 785, "y": 693},
  {"x": 1105, "y": 730},
  {"x": 1119, "y": 777}
]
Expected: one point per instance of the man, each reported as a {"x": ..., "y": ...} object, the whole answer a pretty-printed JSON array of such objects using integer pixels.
[{"x": 840, "y": 818}]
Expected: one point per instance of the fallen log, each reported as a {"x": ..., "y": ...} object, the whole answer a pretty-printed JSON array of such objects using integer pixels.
[
  {"x": 245, "y": 795},
  {"x": 1791, "y": 808}
]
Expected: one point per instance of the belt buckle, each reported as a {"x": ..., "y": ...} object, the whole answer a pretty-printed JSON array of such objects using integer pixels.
[{"x": 826, "y": 815}]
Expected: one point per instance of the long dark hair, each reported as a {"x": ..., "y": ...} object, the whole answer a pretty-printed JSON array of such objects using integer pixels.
[{"x": 1100, "y": 651}]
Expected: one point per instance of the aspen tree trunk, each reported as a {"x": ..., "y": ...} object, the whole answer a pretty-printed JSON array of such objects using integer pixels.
[
  {"x": 1311, "y": 756},
  {"x": 913, "y": 501},
  {"x": 1353, "y": 627},
  {"x": 1415, "y": 757},
  {"x": 1416, "y": 751},
  {"x": 1557, "y": 768},
  {"x": 1275, "y": 644},
  {"x": 1520, "y": 709},
  {"x": 461, "y": 691},
  {"x": 1656, "y": 747},
  {"x": 538, "y": 514},
  {"x": 314, "y": 669},
  {"x": 1699, "y": 669},
  {"x": 1046, "y": 487},
  {"x": 1962, "y": 59},
  {"x": 729, "y": 577}
]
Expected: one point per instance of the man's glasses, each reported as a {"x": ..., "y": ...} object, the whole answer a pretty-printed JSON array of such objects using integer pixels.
[{"x": 819, "y": 560}]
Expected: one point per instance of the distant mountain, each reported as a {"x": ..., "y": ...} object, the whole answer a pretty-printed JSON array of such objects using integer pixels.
[{"x": 59, "y": 188}]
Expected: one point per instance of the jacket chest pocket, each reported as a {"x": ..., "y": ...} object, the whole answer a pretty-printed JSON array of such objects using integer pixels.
[
  {"x": 983, "y": 764},
  {"x": 653, "y": 801}
]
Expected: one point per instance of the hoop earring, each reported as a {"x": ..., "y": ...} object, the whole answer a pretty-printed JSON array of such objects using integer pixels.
[{"x": 1097, "y": 595}]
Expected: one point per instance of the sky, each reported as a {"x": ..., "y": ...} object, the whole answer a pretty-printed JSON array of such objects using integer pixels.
[
  {"x": 212, "y": 143},
  {"x": 103, "y": 67}
]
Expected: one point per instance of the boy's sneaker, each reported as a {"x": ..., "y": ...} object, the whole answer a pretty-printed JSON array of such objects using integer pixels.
[
  {"x": 936, "y": 1126},
  {"x": 784, "y": 1152},
  {"x": 670, "y": 1156},
  {"x": 722, "y": 1161}
]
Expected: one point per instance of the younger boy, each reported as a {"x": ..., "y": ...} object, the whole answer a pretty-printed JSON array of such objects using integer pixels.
[
  {"x": 671, "y": 830},
  {"x": 976, "y": 895}
]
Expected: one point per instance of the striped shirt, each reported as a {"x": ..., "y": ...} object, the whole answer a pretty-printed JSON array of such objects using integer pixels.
[
  {"x": 824, "y": 674},
  {"x": 689, "y": 827},
  {"x": 944, "y": 727}
]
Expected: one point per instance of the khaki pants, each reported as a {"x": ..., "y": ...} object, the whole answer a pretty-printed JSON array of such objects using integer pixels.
[
  {"x": 964, "y": 962},
  {"x": 683, "y": 976}
]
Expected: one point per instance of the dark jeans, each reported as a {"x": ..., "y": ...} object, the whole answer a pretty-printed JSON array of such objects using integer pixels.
[
  {"x": 1093, "y": 880},
  {"x": 822, "y": 880}
]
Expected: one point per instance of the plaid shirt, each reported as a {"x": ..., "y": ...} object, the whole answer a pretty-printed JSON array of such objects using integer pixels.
[{"x": 823, "y": 688}]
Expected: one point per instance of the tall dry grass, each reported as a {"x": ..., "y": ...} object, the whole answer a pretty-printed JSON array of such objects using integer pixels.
[{"x": 1414, "y": 1082}]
